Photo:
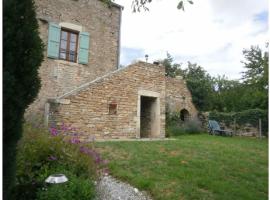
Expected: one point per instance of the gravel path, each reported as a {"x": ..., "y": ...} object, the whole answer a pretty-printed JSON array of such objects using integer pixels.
[{"x": 108, "y": 188}]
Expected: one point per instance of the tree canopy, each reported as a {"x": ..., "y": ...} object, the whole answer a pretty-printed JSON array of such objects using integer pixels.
[
  {"x": 256, "y": 64},
  {"x": 171, "y": 69},
  {"x": 222, "y": 94}
]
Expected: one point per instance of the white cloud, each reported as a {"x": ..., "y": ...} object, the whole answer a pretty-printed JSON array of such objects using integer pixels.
[{"x": 212, "y": 33}]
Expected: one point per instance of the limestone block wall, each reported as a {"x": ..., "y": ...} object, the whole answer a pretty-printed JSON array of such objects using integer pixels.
[
  {"x": 178, "y": 97},
  {"x": 237, "y": 129},
  {"x": 93, "y": 16},
  {"x": 87, "y": 108}
]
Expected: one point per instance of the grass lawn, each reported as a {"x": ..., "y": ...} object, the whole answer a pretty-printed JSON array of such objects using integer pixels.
[{"x": 193, "y": 167}]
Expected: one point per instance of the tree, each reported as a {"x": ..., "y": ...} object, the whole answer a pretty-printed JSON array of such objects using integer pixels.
[
  {"x": 256, "y": 75},
  {"x": 228, "y": 95},
  {"x": 171, "y": 69},
  {"x": 252, "y": 93},
  {"x": 22, "y": 56},
  {"x": 257, "y": 67},
  {"x": 199, "y": 82},
  {"x": 200, "y": 85}
]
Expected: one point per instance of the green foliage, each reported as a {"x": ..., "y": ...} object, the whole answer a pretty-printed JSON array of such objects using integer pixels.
[
  {"x": 257, "y": 67},
  {"x": 190, "y": 127},
  {"x": 256, "y": 75},
  {"x": 193, "y": 127},
  {"x": 176, "y": 127},
  {"x": 235, "y": 96},
  {"x": 227, "y": 94},
  {"x": 171, "y": 69},
  {"x": 200, "y": 85},
  {"x": 40, "y": 155},
  {"x": 75, "y": 188},
  {"x": 22, "y": 56},
  {"x": 137, "y": 5},
  {"x": 199, "y": 82},
  {"x": 222, "y": 94},
  {"x": 227, "y": 118},
  {"x": 108, "y": 2},
  {"x": 174, "y": 130},
  {"x": 251, "y": 116},
  {"x": 252, "y": 93}
]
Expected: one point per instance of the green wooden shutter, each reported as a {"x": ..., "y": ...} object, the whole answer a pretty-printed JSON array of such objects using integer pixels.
[
  {"x": 84, "y": 47},
  {"x": 53, "y": 40}
]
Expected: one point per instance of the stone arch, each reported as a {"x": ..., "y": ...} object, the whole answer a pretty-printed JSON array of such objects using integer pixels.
[{"x": 184, "y": 115}]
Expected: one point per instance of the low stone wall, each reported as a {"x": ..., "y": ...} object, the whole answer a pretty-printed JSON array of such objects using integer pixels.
[{"x": 237, "y": 129}]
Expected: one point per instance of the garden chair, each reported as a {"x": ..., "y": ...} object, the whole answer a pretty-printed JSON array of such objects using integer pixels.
[{"x": 214, "y": 129}]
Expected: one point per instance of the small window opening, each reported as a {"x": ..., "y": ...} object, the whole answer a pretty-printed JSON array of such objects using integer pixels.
[
  {"x": 112, "y": 109},
  {"x": 184, "y": 115}
]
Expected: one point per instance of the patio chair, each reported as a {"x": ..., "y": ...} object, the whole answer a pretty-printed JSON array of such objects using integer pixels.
[{"x": 214, "y": 129}]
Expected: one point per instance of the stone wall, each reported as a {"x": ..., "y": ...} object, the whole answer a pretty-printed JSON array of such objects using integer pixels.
[
  {"x": 178, "y": 97},
  {"x": 93, "y": 16},
  {"x": 87, "y": 108},
  {"x": 237, "y": 129}
]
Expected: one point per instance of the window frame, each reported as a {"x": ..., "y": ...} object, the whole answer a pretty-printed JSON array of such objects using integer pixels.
[{"x": 67, "y": 53}]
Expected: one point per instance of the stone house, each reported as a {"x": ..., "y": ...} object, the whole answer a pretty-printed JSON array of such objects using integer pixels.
[{"x": 82, "y": 84}]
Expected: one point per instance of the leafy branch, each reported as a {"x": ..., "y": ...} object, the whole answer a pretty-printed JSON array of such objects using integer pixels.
[{"x": 138, "y": 5}]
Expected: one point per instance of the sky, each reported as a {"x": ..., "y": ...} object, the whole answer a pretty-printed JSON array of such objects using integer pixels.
[{"x": 211, "y": 33}]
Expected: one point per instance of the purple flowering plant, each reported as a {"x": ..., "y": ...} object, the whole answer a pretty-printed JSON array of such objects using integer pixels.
[
  {"x": 53, "y": 131},
  {"x": 55, "y": 150},
  {"x": 52, "y": 158},
  {"x": 74, "y": 139}
]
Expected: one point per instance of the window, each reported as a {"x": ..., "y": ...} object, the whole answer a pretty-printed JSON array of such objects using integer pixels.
[
  {"x": 112, "y": 109},
  {"x": 68, "y": 45}
]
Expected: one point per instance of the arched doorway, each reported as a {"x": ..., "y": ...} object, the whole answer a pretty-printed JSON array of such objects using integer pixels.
[{"x": 184, "y": 115}]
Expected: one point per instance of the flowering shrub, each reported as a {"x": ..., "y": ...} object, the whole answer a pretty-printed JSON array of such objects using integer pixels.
[
  {"x": 41, "y": 154},
  {"x": 74, "y": 138}
]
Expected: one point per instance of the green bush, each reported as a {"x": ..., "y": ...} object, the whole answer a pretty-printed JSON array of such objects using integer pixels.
[
  {"x": 75, "y": 188},
  {"x": 189, "y": 127},
  {"x": 193, "y": 127},
  {"x": 41, "y": 154},
  {"x": 174, "y": 130}
]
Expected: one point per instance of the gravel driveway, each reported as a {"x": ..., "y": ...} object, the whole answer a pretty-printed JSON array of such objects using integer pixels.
[{"x": 108, "y": 188}]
